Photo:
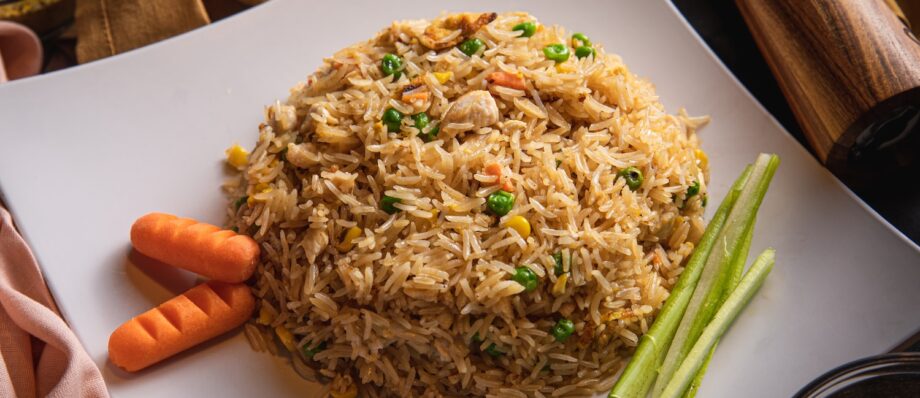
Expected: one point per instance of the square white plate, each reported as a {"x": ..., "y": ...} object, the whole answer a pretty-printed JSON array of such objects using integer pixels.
[{"x": 85, "y": 151}]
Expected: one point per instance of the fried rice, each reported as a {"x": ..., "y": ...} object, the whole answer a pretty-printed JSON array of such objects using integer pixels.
[{"x": 384, "y": 267}]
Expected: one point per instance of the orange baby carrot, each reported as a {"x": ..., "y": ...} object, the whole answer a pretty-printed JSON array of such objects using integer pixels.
[
  {"x": 199, "y": 314},
  {"x": 204, "y": 249}
]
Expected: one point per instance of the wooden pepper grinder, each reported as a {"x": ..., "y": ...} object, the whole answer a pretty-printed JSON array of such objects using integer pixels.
[{"x": 850, "y": 70}]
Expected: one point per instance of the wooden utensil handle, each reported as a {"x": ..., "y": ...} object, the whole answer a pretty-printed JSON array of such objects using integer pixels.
[{"x": 845, "y": 66}]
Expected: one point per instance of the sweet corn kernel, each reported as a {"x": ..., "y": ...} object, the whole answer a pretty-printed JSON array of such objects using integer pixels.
[
  {"x": 520, "y": 224},
  {"x": 565, "y": 67},
  {"x": 443, "y": 77},
  {"x": 265, "y": 316},
  {"x": 702, "y": 158},
  {"x": 559, "y": 287},
  {"x": 286, "y": 337},
  {"x": 350, "y": 392},
  {"x": 348, "y": 241},
  {"x": 259, "y": 188},
  {"x": 237, "y": 156}
]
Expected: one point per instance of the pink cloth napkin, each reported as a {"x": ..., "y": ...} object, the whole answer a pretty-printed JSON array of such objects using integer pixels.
[{"x": 39, "y": 355}]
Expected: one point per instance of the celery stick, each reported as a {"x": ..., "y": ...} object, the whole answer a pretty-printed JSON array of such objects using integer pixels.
[
  {"x": 698, "y": 379},
  {"x": 640, "y": 372},
  {"x": 736, "y": 301},
  {"x": 707, "y": 296},
  {"x": 735, "y": 273},
  {"x": 737, "y": 267}
]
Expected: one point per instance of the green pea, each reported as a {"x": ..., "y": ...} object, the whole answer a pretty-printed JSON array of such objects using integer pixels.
[
  {"x": 526, "y": 278},
  {"x": 392, "y": 119},
  {"x": 500, "y": 202},
  {"x": 563, "y": 329},
  {"x": 421, "y": 120},
  {"x": 556, "y": 52},
  {"x": 528, "y": 28},
  {"x": 239, "y": 202},
  {"x": 310, "y": 352},
  {"x": 387, "y": 202},
  {"x": 557, "y": 267},
  {"x": 493, "y": 351},
  {"x": 633, "y": 177},
  {"x": 693, "y": 190},
  {"x": 431, "y": 135},
  {"x": 471, "y": 46},
  {"x": 579, "y": 40},
  {"x": 584, "y": 51},
  {"x": 391, "y": 65},
  {"x": 476, "y": 339}
]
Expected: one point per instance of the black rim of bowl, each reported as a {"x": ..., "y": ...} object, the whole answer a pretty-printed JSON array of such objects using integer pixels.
[{"x": 859, "y": 370}]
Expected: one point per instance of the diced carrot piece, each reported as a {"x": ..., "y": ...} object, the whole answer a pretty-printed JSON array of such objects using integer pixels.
[
  {"x": 495, "y": 169},
  {"x": 510, "y": 80},
  {"x": 415, "y": 96}
]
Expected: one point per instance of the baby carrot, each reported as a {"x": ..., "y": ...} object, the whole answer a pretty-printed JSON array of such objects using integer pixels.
[
  {"x": 204, "y": 249},
  {"x": 199, "y": 314}
]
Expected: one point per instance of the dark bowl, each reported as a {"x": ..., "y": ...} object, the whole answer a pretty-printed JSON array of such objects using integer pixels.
[{"x": 889, "y": 375}]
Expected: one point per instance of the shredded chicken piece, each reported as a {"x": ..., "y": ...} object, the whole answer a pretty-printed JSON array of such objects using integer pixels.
[
  {"x": 476, "y": 107},
  {"x": 443, "y": 32},
  {"x": 282, "y": 116},
  {"x": 303, "y": 155}
]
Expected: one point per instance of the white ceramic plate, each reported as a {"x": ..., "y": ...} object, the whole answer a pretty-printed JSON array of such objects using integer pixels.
[{"x": 85, "y": 151}]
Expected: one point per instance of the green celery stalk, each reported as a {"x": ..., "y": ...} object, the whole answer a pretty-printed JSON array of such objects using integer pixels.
[
  {"x": 735, "y": 272},
  {"x": 737, "y": 267},
  {"x": 708, "y": 295},
  {"x": 640, "y": 372},
  {"x": 737, "y": 300},
  {"x": 698, "y": 379}
]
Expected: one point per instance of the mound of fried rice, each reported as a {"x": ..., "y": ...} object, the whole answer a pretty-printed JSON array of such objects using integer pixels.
[{"x": 422, "y": 302}]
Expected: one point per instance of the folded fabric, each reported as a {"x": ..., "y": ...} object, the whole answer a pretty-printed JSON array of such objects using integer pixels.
[
  {"x": 39, "y": 354},
  {"x": 109, "y": 27}
]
